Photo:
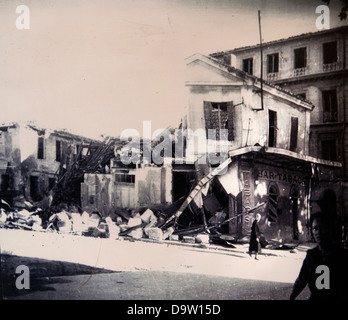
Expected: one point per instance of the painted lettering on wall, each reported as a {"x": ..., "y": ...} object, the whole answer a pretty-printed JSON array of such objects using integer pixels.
[
  {"x": 247, "y": 201},
  {"x": 280, "y": 177}
]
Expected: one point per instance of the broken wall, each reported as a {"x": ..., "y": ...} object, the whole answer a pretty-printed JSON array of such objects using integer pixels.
[
  {"x": 102, "y": 192},
  {"x": 10, "y": 157},
  {"x": 283, "y": 192}
]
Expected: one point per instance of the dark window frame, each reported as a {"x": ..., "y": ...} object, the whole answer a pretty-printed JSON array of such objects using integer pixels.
[
  {"x": 300, "y": 58},
  {"x": 330, "y": 52},
  {"x": 219, "y": 115},
  {"x": 248, "y": 65},
  {"x": 273, "y": 63},
  {"x": 41, "y": 148},
  {"x": 272, "y": 128},
  {"x": 293, "y": 133},
  {"x": 58, "y": 150},
  {"x": 330, "y": 105},
  {"x": 125, "y": 178},
  {"x": 329, "y": 150}
]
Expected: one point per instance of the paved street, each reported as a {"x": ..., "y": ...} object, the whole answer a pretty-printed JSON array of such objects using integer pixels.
[
  {"x": 73, "y": 267},
  {"x": 153, "y": 285}
]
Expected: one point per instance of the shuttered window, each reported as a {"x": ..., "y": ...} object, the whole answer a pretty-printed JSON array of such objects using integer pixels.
[
  {"x": 219, "y": 115},
  {"x": 272, "y": 130},
  {"x": 293, "y": 133},
  {"x": 40, "y": 148}
]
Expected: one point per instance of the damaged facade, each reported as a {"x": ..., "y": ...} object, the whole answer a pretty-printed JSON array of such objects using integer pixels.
[
  {"x": 31, "y": 158},
  {"x": 313, "y": 66},
  {"x": 270, "y": 171}
]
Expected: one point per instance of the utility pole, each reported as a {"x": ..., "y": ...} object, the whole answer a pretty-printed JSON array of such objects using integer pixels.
[{"x": 259, "y": 15}]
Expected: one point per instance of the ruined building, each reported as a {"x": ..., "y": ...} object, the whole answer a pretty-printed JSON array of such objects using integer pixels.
[
  {"x": 30, "y": 158},
  {"x": 313, "y": 66},
  {"x": 270, "y": 169}
]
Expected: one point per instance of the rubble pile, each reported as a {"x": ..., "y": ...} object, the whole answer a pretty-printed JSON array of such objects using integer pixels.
[{"x": 64, "y": 219}]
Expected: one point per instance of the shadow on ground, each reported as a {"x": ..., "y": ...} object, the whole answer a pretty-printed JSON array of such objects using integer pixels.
[{"x": 41, "y": 271}]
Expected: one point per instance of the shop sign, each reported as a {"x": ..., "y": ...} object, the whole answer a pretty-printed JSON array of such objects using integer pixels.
[{"x": 278, "y": 176}]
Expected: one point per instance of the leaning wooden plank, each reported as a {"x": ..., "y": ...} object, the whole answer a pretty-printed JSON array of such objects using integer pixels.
[
  {"x": 125, "y": 232},
  {"x": 198, "y": 189}
]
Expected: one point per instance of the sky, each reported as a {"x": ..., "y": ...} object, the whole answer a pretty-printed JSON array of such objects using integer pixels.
[{"x": 98, "y": 67}]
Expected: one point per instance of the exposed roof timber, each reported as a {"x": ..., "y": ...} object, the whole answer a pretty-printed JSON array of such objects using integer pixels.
[{"x": 8, "y": 125}]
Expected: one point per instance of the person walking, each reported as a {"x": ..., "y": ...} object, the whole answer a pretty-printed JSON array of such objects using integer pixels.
[{"x": 254, "y": 245}]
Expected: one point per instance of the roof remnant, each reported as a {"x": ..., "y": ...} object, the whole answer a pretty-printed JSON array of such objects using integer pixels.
[{"x": 245, "y": 75}]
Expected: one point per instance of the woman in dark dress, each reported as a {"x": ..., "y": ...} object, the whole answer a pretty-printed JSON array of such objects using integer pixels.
[{"x": 254, "y": 245}]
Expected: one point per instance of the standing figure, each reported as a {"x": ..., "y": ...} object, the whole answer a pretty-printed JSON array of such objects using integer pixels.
[
  {"x": 325, "y": 267},
  {"x": 254, "y": 245}
]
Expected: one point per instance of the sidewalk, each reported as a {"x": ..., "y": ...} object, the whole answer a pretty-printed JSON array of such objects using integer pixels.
[{"x": 127, "y": 254}]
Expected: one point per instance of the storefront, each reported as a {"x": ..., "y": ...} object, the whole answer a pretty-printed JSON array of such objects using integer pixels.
[{"x": 274, "y": 184}]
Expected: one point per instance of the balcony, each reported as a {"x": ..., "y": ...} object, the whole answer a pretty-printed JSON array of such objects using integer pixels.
[
  {"x": 299, "y": 72},
  {"x": 271, "y": 77},
  {"x": 331, "y": 66}
]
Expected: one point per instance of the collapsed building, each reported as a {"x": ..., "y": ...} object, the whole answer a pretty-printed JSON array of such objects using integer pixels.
[
  {"x": 261, "y": 164},
  {"x": 33, "y": 158},
  {"x": 268, "y": 169},
  {"x": 258, "y": 160}
]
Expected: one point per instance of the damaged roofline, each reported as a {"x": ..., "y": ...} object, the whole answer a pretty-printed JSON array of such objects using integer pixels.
[
  {"x": 248, "y": 80},
  {"x": 283, "y": 152}
]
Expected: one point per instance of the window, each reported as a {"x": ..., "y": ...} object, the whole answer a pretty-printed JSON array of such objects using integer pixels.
[
  {"x": 128, "y": 178},
  {"x": 273, "y": 63},
  {"x": 40, "y": 149},
  {"x": 272, "y": 129},
  {"x": 219, "y": 116},
  {"x": 300, "y": 58},
  {"x": 330, "y": 106},
  {"x": 329, "y": 150},
  {"x": 293, "y": 133},
  {"x": 58, "y": 151},
  {"x": 330, "y": 52},
  {"x": 248, "y": 65}
]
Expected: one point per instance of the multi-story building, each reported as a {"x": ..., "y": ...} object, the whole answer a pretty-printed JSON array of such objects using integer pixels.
[
  {"x": 313, "y": 66},
  {"x": 268, "y": 145},
  {"x": 30, "y": 158}
]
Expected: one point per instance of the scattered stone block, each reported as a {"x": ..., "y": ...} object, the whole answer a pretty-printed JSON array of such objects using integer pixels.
[
  {"x": 168, "y": 233},
  {"x": 154, "y": 233},
  {"x": 114, "y": 229},
  {"x": 202, "y": 238}
]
